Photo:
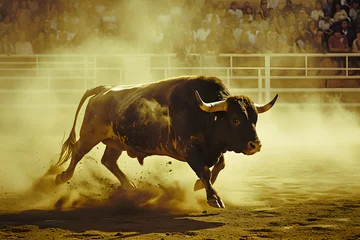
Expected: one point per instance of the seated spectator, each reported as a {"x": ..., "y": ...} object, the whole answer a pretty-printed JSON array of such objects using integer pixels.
[
  {"x": 189, "y": 45},
  {"x": 72, "y": 24},
  {"x": 47, "y": 28},
  {"x": 355, "y": 62},
  {"x": 201, "y": 34},
  {"x": 261, "y": 24},
  {"x": 245, "y": 19},
  {"x": 325, "y": 26},
  {"x": 354, "y": 10},
  {"x": 356, "y": 44},
  {"x": 226, "y": 19},
  {"x": 5, "y": 25},
  {"x": 271, "y": 15},
  {"x": 289, "y": 17},
  {"x": 338, "y": 43},
  {"x": 13, "y": 36},
  {"x": 303, "y": 40},
  {"x": 288, "y": 9},
  {"x": 211, "y": 17},
  {"x": 308, "y": 5},
  {"x": 313, "y": 29},
  {"x": 23, "y": 16},
  {"x": 303, "y": 17},
  {"x": 110, "y": 22},
  {"x": 339, "y": 13},
  {"x": 235, "y": 29},
  {"x": 248, "y": 14},
  {"x": 329, "y": 5},
  {"x": 272, "y": 4},
  {"x": 260, "y": 43},
  {"x": 60, "y": 23},
  {"x": 235, "y": 10},
  {"x": 292, "y": 35},
  {"x": 33, "y": 6},
  {"x": 35, "y": 27},
  {"x": 23, "y": 47},
  {"x": 252, "y": 34},
  {"x": 356, "y": 24},
  {"x": 317, "y": 12},
  {"x": 6, "y": 47},
  {"x": 220, "y": 9},
  {"x": 39, "y": 44},
  {"x": 350, "y": 36},
  {"x": 228, "y": 42},
  {"x": 245, "y": 46},
  {"x": 62, "y": 39},
  {"x": 52, "y": 16},
  {"x": 51, "y": 44},
  {"x": 272, "y": 43},
  {"x": 211, "y": 47},
  {"x": 277, "y": 24},
  {"x": 272, "y": 30},
  {"x": 318, "y": 43},
  {"x": 264, "y": 11}
]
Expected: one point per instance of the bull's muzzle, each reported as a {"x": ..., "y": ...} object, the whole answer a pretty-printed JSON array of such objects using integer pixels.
[{"x": 252, "y": 147}]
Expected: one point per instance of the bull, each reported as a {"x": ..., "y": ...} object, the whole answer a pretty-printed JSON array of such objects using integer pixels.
[{"x": 193, "y": 119}]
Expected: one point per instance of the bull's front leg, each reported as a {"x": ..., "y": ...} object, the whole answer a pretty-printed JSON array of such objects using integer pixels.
[
  {"x": 220, "y": 165},
  {"x": 204, "y": 173}
]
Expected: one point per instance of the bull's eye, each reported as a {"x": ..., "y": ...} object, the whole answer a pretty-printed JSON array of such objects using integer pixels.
[{"x": 236, "y": 121}]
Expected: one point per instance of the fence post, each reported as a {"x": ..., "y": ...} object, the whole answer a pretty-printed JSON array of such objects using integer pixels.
[
  {"x": 267, "y": 78},
  {"x": 260, "y": 95},
  {"x": 228, "y": 78},
  {"x": 86, "y": 73},
  {"x": 37, "y": 65},
  {"x": 95, "y": 71},
  {"x": 347, "y": 65},
  {"x": 48, "y": 88},
  {"x": 121, "y": 80},
  {"x": 231, "y": 66},
  {"x": 167, "y": 71}
]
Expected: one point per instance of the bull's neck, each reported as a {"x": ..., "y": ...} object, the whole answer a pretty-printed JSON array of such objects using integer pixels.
[{"x": 218, "y": 135}]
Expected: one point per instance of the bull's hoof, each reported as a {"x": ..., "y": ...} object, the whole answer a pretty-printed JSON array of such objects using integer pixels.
[
  {"x": 198, "y": 185},
  {"x": 216, "y": 203}
]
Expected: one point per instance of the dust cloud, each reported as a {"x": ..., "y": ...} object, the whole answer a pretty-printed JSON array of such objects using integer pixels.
[
  {"x": 306, "y": 150},
  {"x": 152, "y": 112}
]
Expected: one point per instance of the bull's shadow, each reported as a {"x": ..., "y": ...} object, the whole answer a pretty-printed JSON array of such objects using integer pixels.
[{"x": 107, "y": 220}]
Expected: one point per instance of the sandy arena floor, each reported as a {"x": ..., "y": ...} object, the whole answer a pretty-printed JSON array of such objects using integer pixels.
[{"x": 304, "y": 184}]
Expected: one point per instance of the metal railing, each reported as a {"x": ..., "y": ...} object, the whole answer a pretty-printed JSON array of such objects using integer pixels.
[{"x": 39, "y": 77}]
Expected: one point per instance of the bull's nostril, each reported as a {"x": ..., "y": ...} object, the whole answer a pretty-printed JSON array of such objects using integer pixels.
[{"x": 252, "y": 145}]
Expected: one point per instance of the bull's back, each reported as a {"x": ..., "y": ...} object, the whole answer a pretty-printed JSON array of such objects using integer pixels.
[{"x": 151, "y": 118}]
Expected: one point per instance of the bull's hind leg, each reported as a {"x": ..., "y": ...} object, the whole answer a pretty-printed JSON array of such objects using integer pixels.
[
  {"x": 109, "y": 159},
  {"x": 81, "y": 148}
]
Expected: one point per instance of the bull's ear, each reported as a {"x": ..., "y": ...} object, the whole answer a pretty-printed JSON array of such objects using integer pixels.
[
  {"x": 212, "y": 106},
  {"x": 266, "y": 107}
]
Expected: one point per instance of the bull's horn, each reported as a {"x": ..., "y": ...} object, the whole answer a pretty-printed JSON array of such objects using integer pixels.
[
  {"x": 213, "y": 106},
  {"x": 266, "y": 107}
]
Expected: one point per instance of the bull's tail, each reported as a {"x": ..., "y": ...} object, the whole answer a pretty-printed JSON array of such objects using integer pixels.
[{"x": 68, "y": 146}]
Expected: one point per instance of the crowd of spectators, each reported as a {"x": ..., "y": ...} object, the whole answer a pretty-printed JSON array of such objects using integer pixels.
[
  {"x": 183, "y": 26},
  {"x": 53, "y": 26},
  {"x": 272, "y": 26}
]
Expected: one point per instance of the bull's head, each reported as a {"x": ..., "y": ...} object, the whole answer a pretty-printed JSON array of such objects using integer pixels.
[{"x": 240, "y": 117}]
